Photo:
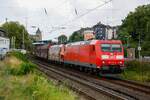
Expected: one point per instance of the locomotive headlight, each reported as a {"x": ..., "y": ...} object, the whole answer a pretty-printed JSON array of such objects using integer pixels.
[
  {"x": 103, "y": 62},
  {"x": 120, "y": 62},
  {"x": 119, "y": 57},
  {"x": 105, "y": 57}
]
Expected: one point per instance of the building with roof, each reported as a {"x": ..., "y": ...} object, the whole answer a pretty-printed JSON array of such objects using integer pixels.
[
  {"x": 4, "y": 43},
  {"x": 86, "y": 32},
  {"x": 104, "y": 32},
  {"x": 2, "y": 32},
  {"x": 37, "y": 36},
  {"x": 99, "y": 31}
]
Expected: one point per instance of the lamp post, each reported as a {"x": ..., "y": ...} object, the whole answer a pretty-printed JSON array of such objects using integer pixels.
[
  {"x": 23, "y": 33},
  {"x": 139, "y": 47}
]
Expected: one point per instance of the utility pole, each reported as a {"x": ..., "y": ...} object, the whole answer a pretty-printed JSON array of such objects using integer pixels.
[
  {"x": 13, "y": 42},
  {"x": 139, "y": 47},
  {"x": 23, "y": 38},
  {"x": 23, "y": 33},
  {"x": 147, "y": 26},
  {"x": 26, "y": 22},
  {"x": 6, "y": 20}
]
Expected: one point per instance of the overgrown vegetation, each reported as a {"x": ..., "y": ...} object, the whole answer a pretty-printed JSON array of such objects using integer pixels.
[
  {"x": 18, "y": 55},
  {"x": 62, "y": 39},
  {"x": 20, "y": 81},
  {"x": 76, "y": 36},
  {"x": 136, "y": 27},
  {"x": 18, "y": 64},
  {"x": 139, "y": 71}
]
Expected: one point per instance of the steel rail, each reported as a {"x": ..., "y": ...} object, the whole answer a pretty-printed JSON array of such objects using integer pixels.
[
  {"x": 115, "y": 87},
  {"x": 94, "y": 85}
]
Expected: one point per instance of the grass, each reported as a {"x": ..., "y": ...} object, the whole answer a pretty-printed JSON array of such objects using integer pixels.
[
  {"x": 20, "y": 81},
  {"x": 32, "y": 87},
  {"x": 138, "y": 71}
]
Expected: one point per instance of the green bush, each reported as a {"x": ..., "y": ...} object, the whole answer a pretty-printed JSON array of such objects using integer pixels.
[
  {"x": 132, "y": 65},
  {"x": 18, "y": 55},
  {"x": 136, "y": 70},
  {"x": 138, "y": 66},
  {"x": 25, "y": 68}
]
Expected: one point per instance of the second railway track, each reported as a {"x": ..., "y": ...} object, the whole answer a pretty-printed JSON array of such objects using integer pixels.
[{"x": 112, "y": 88}]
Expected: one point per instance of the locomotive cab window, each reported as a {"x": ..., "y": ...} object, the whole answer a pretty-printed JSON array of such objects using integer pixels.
[
  {"x": 111, "y": 48},
  {"x": 105, "y": 47},
  {"x": 116, "y": 48}
]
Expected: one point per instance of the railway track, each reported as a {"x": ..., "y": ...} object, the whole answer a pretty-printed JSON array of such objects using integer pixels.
[
  {"x": 138, "y": 91},
  {"x": 110, "y": 88},
  {"x": 89, "y": 89},
  {"x": 132, "y": 85}
]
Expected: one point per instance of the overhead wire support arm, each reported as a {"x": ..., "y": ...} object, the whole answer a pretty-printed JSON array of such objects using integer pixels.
[{"x": 94, "y": 9}]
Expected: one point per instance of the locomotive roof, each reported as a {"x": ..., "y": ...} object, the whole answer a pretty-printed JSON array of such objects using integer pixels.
[
  {"x": 94, "y": 42},
  {"x": 109, "y": 41},
  {"x": 91, "y": 42}
]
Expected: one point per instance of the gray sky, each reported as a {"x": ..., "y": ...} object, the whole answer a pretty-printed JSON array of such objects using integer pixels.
[{"x": 61, "y": 13}]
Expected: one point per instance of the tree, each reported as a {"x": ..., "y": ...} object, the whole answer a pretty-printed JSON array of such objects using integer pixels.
[
  {"x": 62, "y": 39},
  {"x": 76, "y": 37},
  {"x": 16, "y": 31},
  {"x": 137, "y": 25},
  {"x": 146, "y": 46},
  {"x": 123, "y": 35}
]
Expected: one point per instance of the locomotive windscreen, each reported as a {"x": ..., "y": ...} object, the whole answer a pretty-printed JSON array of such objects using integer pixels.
[{"x": 111, "y": 47}]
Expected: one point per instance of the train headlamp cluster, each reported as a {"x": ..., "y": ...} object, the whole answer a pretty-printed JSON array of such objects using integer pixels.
[
  {"x": 119, "y": 57},
  {"x": 105, "y": 56}
]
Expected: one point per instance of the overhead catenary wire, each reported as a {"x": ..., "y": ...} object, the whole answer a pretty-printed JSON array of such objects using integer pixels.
[
  {"x": 89, "y": 11},
  {"x": 101, "y": 5}
]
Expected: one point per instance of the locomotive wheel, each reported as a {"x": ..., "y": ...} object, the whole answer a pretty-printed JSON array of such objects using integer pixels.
[
  {"x": 71, "y": 66},
  {"x": 80, "y": 68},
  {"x": 94, "y": 71},
  {"x": 98, "y": 72},
  {"x": 89, "y": 70},
  {"x": 85, "y": 70}
]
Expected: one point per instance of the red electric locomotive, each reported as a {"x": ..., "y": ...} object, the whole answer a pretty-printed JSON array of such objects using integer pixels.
[
  {"x": 95, "y": 55},
  {"x": 105, "y": 55}
]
